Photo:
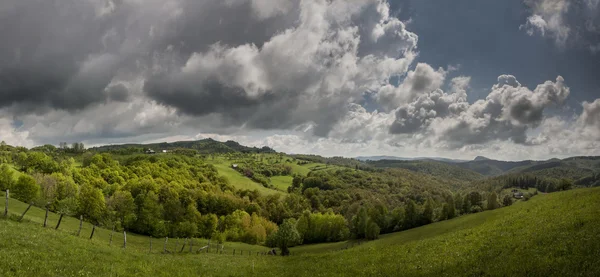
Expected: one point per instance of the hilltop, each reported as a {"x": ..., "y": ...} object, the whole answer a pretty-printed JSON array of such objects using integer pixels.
[{"x": 204, "y": 146}]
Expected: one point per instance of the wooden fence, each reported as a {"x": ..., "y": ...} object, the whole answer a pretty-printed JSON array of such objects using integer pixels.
[{"x": 182, "y": 245}]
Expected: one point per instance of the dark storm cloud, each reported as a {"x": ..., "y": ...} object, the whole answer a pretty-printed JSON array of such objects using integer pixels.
[
  {"x": 52, "y": 54},
  {"x": 277, "y": 69},
  {"x": 201, "y": 24},
  {"x": 118, "y": 92},
  {"x": 258, "y": 63},
  {"x": 76, "y": 69}
]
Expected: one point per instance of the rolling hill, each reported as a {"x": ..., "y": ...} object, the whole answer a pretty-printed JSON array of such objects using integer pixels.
[
  {"x": 394, "y": 158},
  {"x": 549, "y": 235},
  {"x": 574, "y": 168},
  {"x": 431, "y": 167},
  {"x": 204, "y": 146}
]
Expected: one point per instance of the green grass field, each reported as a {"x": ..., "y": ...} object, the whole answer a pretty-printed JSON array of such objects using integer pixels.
[
  {"x": 281, "y": 182},
  {"x": 238, "y": 180},
  {"x": 552, "y": 234}
]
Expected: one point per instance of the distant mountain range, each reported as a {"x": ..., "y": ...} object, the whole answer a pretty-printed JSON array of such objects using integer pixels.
[
  {"x": 393, "y": 158},
  {"x": 584, "y": 171}
]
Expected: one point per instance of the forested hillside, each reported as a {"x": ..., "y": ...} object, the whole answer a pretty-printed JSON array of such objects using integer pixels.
[
  {"x": 431, "y": 167},
  {"x": 226, "y": 191}
]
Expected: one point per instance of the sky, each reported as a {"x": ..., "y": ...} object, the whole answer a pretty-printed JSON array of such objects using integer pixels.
[{"x": 512, "y": 80}]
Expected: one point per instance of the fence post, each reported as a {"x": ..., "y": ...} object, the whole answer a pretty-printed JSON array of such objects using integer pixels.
[
  {"x": 93, "y": 230},
  {"x": 46, "y": 216},
  {"x": 165, "y": 246},
  {"x": 124, "y": 239},
  {"x": 234, "y": 251},
  {"x": 176, "y": 245},
  {"x": 111, "y": 235},
  {"x": 150, "y": 244},
  {"x": 183, "y": 246},
  {"x": 80, "y": 224},
  {"x": 191, "y": 241},
  {"x": 59, "y": 220},
  {"x": 6, "y": 204},
  {"x": 23, "y": 215}
]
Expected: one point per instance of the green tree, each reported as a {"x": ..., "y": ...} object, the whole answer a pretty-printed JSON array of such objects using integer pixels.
[
  {"x": 475, "y": 199},
  {"x": 360, "y": 222},
  {"x": 445, "y": 211},
  {"x": 65, "y": 186},
  {"x": 466, "y": 208},
  {"x": 492, "y": 203},
  {"x": 287, "y": 236},
  {"x": 458, "y": 203},
  {"x": 451, "y": 208},
  {"x": 507, "y": 200},
  {"x": 184, "y": 229},
  {"x": 91, "y": 203},
  {"x": 6, "y": 177},
  {"x": 304, "y": 226},
  {"x": 149, "y": 215},
  {"x": 372, "y": 231},
  {"x": 411, "y": 214},
  {"x": 565, "y": 184},
  {"x": 208, "y": 225},
  {"x": 26, "y": 189},
  {"x": 427, "y": 216},
  {"x": 122, "y": 207},
  {"x": 67, "y": 206},
  {"x": 397, "y": 219}
]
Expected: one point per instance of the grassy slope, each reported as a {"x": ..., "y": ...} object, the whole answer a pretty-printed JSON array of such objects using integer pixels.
[
  {"x": 550, "y": 235},
  {"x": 238, "y": 180},
  {"x": 28, "y": 250},
  {"x": 70, "y": 225},
  {"x": 281, "y": 183}
]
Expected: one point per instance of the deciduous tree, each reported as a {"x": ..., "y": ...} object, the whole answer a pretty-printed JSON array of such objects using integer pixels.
[{"x": 26, "y": 188}]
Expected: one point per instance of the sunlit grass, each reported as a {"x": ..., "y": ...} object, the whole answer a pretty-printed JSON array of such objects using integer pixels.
[
  {"x": 550, "y": 235},
  {"x": 238, "y": 180}
]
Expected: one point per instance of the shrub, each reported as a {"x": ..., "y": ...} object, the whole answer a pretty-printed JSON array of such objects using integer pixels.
[{"x": 26, "y": 189}]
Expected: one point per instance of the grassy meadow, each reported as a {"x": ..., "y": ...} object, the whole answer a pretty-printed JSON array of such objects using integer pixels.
[
  {"x": 238, "y": 180},
  {"x": 281, "y": 183},
  {"x": 552, "y": 234}
]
